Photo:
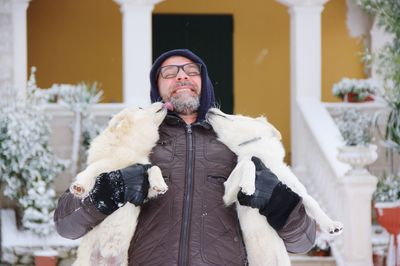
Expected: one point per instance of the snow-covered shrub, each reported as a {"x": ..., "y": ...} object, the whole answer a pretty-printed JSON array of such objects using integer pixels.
[
  {"x": 355, "y": 127},
  {"x": 387, "y": 189},
  {"x": 28, "y": 166}
]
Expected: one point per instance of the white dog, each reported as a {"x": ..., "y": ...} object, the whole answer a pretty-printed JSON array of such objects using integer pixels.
[
  {"x": 128, "y": 139},
  {"x": 248, "y": 137}
]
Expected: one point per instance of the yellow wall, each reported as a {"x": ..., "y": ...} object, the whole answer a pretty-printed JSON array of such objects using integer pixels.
[
  {"x": 70, "y": 41},
  {"x": 341, "y": 55},
  {"x": 73, "y": 40}
]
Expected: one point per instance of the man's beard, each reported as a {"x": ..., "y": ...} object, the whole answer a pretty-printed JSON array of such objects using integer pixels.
[{"x": 185, "y": 105}]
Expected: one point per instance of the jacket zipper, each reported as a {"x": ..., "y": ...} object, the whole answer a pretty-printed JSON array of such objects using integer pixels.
[{"x": 187, "y": 204}]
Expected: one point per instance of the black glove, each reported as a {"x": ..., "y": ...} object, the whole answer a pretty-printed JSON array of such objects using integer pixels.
[
  {"x": 273, "y": 199},
  {"x": 113, "y": 189},
  {"x": 136, "y": 181},
  {"x": 266, "y": 181}
]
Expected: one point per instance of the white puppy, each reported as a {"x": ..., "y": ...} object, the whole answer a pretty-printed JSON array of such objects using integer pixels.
[
  {"x": 129, "y": 138},
  {"x": 248, "y": 137}
]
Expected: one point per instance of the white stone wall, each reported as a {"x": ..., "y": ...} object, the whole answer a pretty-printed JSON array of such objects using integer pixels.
[{"x": 6, "y": 44}]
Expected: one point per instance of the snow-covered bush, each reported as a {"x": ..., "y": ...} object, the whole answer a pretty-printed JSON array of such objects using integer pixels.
[
  {"x": 387, "y": 189},
  {"x": 28, "y": 166},
  {"x": 355, "y": 127}
]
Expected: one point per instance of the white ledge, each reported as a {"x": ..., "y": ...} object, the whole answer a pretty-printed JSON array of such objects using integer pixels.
[
  {"x": 137, "y": 2},
  {"x": 305, "y": 3},
  {"x": 12, "y": 237}
]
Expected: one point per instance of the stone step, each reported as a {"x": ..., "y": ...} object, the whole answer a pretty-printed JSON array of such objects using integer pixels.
[{"x": 303, "y": 260}]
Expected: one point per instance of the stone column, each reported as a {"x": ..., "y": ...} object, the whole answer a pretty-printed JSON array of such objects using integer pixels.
[
  {"x": 137, "y": 49},
  {"x": 356, "y": 248},
  {"x": 20, "y": 58},
  {"x": 305, "y": 62},
  {"x": 6, "y": 33}
]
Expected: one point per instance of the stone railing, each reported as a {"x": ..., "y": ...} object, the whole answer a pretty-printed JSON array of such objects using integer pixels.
[
  {"x": 344, "y": 196},
  {"x": 61, "y": 138}
]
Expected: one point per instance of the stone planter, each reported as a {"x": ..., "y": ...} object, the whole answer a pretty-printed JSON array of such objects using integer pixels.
[
  {"x": 358, "y": 157},
  {"x": 46, "y": 257}
]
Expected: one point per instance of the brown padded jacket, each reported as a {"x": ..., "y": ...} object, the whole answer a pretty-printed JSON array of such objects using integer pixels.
[{"x": 189, "y": 225}]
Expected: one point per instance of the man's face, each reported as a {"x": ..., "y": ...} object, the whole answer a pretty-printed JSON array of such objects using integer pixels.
[{"x": 183, "y": 91}]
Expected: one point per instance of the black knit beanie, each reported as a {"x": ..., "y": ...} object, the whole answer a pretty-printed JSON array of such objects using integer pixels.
[{"x": 207, "y": 98}]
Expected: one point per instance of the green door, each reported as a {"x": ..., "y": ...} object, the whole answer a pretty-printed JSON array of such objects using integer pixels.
[{"x": 208, "y": 36}]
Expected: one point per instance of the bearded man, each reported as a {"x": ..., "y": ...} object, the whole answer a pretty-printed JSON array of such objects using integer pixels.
[{"x": 189, "y": 224}]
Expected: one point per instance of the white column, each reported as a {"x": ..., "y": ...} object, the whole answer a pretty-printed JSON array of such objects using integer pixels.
[
  {"x": 136, "y": 49},
  {"x": 356, "y": 248},
  {"x": 20, "y": 59},
  {"x": 305, "y": 62}
]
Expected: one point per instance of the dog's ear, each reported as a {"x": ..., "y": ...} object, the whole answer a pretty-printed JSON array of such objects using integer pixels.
[
  {"x": 113, "y": 123},
  {"x": 275, "y": 132},
  {"x": 120, "y": 122},
  {"x": 262, "y": 119}
]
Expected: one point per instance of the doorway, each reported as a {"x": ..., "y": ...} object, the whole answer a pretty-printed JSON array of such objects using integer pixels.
[{"x": 208, "y": 36}]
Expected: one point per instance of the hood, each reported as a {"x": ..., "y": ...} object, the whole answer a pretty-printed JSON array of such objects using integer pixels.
[{"x": 207, "y": 98}]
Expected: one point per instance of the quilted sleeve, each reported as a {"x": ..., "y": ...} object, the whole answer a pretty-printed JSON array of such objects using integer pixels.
[
  {"x": 74, "y": 217},
  {"x": 299, "y": 231}
]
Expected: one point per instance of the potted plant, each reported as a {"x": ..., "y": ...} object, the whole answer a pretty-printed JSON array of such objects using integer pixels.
[
  {"x": 356, "y": 90},
  {"x": 355, "y": 128}
]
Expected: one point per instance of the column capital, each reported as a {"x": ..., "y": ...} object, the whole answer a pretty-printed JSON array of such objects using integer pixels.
[
  {"x": 303, "y": 3},
  {"x": 137, "y": 2},
  {"x": 20, "y": 3}
]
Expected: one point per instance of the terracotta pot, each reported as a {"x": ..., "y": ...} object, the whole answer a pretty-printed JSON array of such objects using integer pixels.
[
  {"x": 353, "y": 98},
  {"x": 378, "y": 259},
  {"x": 388, "y": 216},
  {"x": 46, "y": 258}
]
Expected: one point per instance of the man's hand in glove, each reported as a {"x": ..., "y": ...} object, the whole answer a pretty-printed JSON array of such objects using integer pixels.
[
  {"x": 273, "y": 199},
  {"x": 114, "y": 189}
]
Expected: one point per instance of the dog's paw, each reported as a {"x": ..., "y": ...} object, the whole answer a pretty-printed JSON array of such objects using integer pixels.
[
  {"x": 157, "y": 183},
  {"x": 333, "y": 227},
  {"x": 78, "y": 190},
  {"x": 247, "y": 187},
  {"x": 160, "y": 188},
  {"x": 229, "y": 199}
]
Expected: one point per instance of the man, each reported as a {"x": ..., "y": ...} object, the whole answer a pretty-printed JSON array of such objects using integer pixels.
[{"x": 189, "y": 225}]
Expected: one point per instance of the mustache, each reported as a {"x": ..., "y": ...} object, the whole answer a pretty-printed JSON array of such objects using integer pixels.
[{"x": 183, "y": 83}]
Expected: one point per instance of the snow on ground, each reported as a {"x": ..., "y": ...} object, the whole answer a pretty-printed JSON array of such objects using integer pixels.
[{"x": 12, "y": 237}]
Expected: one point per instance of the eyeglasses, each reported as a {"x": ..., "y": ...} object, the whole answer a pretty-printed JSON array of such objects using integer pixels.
[{"x": 170, "y": 71}]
